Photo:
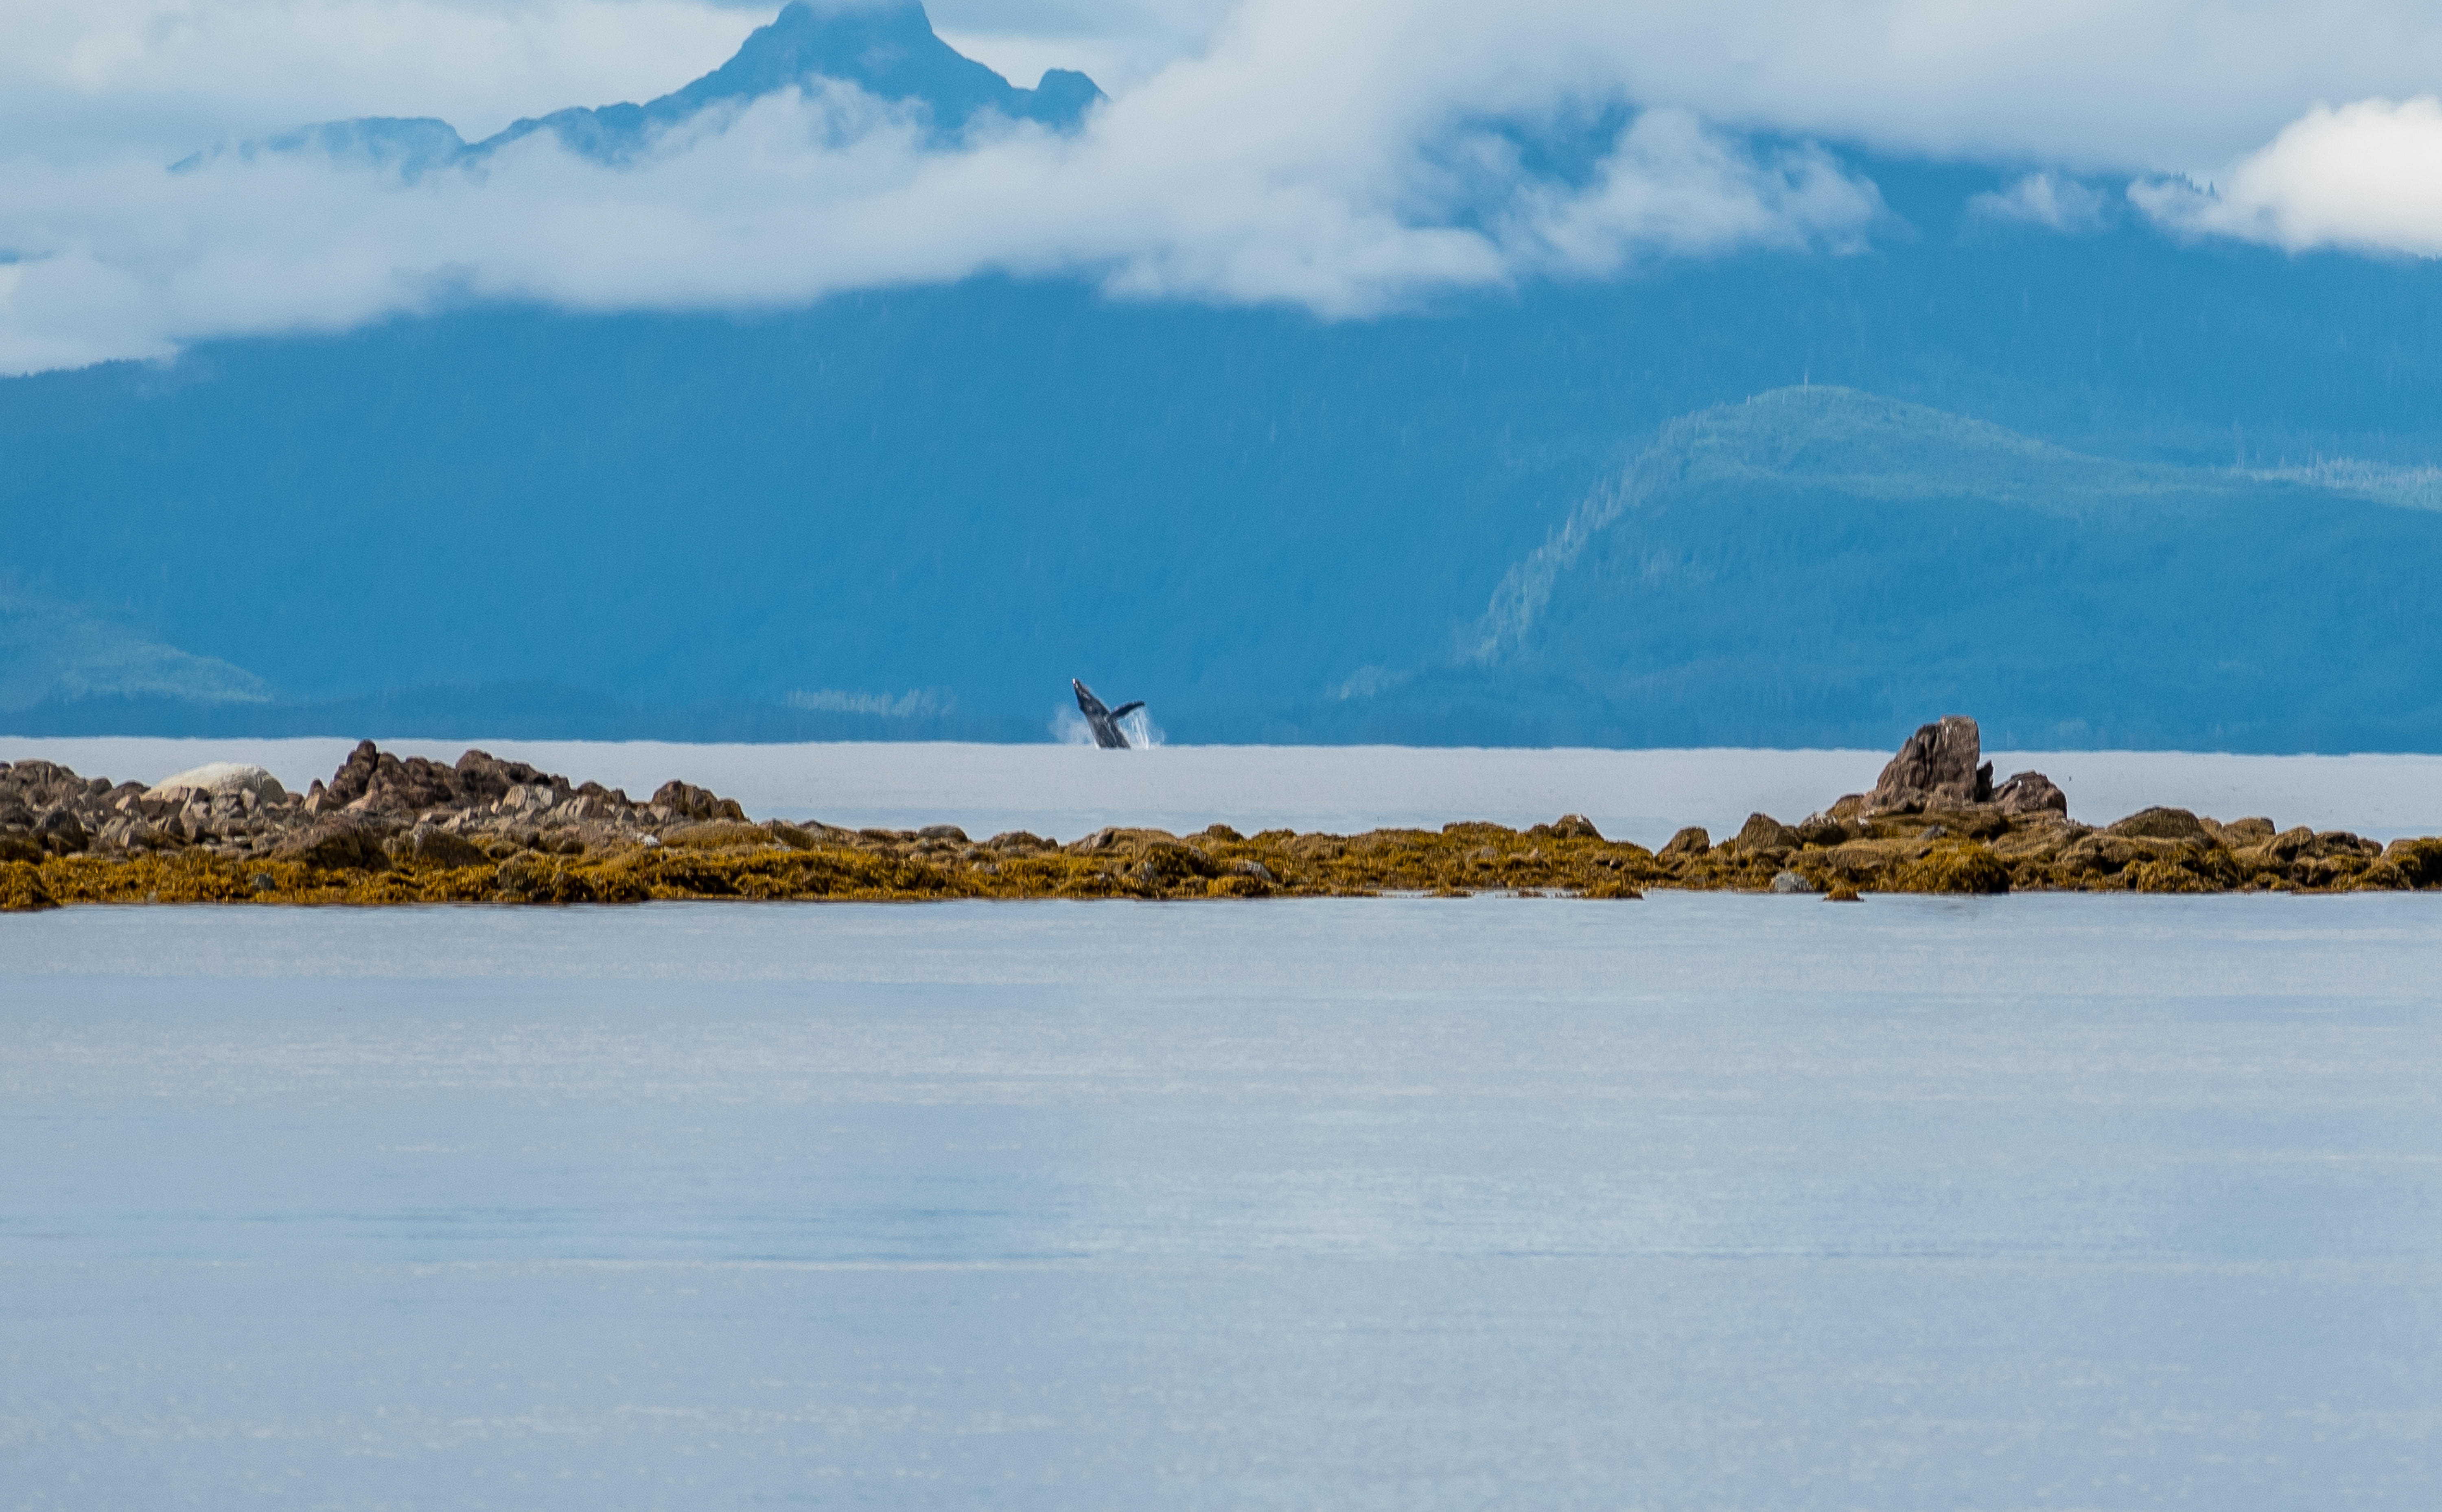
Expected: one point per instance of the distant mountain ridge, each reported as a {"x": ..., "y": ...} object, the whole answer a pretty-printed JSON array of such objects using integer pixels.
[
  {"x": 1815, "y": 562},
  {"x": 890, "y": 50},
  {"x": 511, "y": 519}
]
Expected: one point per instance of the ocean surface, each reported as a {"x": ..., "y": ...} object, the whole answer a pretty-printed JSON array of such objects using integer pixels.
[
  {"x": 1065, "y": 790},
  {"x": 1699, "y": 1201}
]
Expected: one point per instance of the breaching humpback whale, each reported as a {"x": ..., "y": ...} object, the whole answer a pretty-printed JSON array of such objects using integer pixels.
[{"x": 1105, "y": 722}]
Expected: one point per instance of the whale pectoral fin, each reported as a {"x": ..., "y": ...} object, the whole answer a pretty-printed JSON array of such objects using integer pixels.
[{"x": 1126, "y": 709}]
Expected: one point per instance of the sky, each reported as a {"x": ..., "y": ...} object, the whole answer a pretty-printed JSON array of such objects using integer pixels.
[{"x": 1348, "y": 158}]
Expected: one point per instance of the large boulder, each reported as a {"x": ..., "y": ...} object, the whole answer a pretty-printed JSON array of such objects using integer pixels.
[
  {"x": 1941, "y": 766},
  {"x": 681, "y": 800},
  {"x": 2162, "y": 824},
  {"x": 1763, "y": 832},
  {"x": 339, "y": 843},
  {"x": 1692, "y": 841},
  {"x": 2030, "y": 793},
  {"x": 216, "y": 779}
]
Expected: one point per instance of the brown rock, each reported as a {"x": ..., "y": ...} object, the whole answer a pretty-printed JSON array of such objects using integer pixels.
[
  {"x": 1936, "y": 768},
  {"x": 339, "y": 843},
  {"x": 1763, "y": 832},
  {"x": 2161, "y": 823},
  {"x": 1691, "y": 841}
]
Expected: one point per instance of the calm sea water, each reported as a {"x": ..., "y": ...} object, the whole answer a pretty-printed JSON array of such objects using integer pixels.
[{"x": 1693, "y": 1202}]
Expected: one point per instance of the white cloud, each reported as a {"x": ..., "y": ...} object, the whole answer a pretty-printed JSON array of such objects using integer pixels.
[
  {"x": 1335, "y": 155},
  {"x": 1266, "y": 171},
  {"x": 161, "y": 77},
  {"x": 2364, "y": 176},
  {"x": 2045, "y": 199}
]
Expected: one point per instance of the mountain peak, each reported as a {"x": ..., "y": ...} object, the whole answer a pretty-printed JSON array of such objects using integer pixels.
[{"x": 890, "y": 50}]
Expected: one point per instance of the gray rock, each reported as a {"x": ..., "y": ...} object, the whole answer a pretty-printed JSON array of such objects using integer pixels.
[
  {"x": 2033, "y": 793},
  {"x": 1790, "y": 882},
  {"x": 1940, "y": 767},
  {"x": 58, "y": 832},
  {"x": 337, "y": 843}
]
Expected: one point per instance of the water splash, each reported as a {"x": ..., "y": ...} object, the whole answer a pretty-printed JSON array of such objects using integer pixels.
[
  {"x": 1069, "y": 727},
  {"x": 1139, "y": 727}
]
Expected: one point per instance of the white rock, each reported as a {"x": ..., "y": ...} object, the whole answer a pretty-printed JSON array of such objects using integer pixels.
[{"x": 217, "y": 777}]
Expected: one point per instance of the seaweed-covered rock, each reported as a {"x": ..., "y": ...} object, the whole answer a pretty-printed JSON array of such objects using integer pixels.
[
  {"x": 339, "y": 843},
  {"x": 22, "y": 890},
  {"x": 1940, "y": 766},
  {"x": 428, "y": 845},
  {"x": 2419, "y": 862},
  {"x": 1763, "y": 833},
  {"x": 1955, "y": 867},
  {"x": 1692, "y": 841},
  {"x": 2162, "y": 824}
]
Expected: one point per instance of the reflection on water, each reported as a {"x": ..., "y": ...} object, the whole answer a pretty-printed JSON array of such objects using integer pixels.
[{"x": 1696, "y": 1201}]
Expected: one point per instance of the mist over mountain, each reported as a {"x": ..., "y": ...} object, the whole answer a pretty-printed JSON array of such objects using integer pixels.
[{"x": 916, "y": 511}]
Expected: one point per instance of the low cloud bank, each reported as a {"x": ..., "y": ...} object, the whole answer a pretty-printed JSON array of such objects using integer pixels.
[
  {"x": 801, "y": 194},
  {"x": 2364, "y": 178}
]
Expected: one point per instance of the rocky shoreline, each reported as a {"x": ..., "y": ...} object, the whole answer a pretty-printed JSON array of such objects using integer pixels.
[{"x": 391, "y": 830}]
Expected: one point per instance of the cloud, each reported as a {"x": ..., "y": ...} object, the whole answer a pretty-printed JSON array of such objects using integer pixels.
[
  {"x": 96, "y": 79},
  {"x": 2045, "y": 199},
  {"x": 1348, "y": 157},
  {"x": 2364, "y": 178},
  {"x": 1268, "y": 169}
]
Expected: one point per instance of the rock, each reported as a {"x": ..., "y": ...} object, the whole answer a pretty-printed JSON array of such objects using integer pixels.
[
  {"x": 1790, "y": 882},
  {"x": 1255, "y": 869},
  {"x": 217, "y": 777},
  {"x": 21, "y": 889},
  {"x": 2246, "y": 832},
  {"x": 1574, "y": 827},
  {"x": 430, "y": 846},
  {"x": 2161, "y": 823},
  {"x": 1955, "y": 867},
  {"x": 1822, "y": 829},
  {"x": 2030, "y": 793},
  {"x": 1936, "y": 768},
  {"x": 337, "y": 843},
  {"x": 1691, "y": 841},
  {"x": 2420, "y": 861},
  {"x": 942, "y": 831},
  {"x": 684, "y": 801},
  {"x": 1763, "y": 832},
  {"x": 59, "y": 833},
  {"x": 719, "y": 834}
]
